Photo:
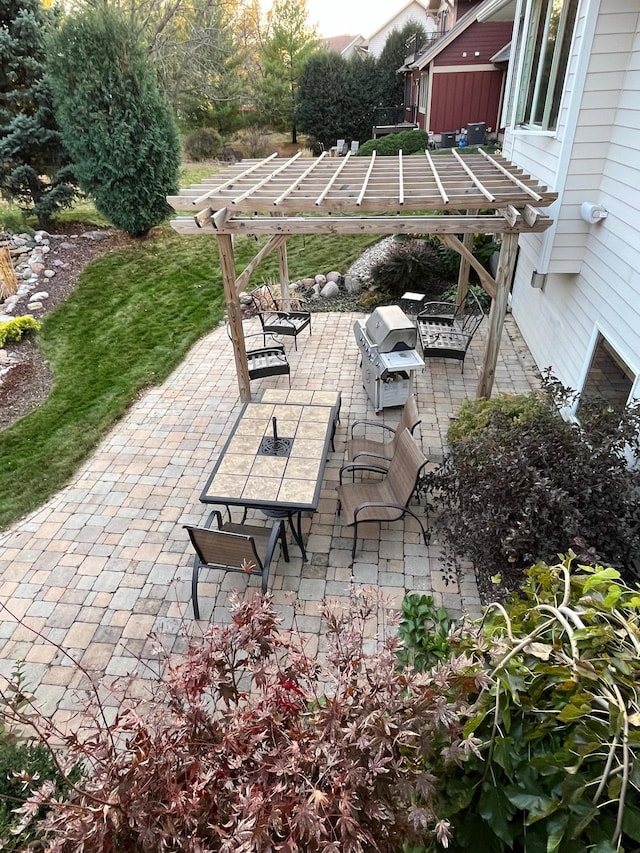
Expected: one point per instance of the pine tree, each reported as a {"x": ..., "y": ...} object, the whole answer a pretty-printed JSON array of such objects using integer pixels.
[
  {"x": 34, "y": 166},
  {"x": 285, "y": 52},
  {"x": 118, "y": 128}
]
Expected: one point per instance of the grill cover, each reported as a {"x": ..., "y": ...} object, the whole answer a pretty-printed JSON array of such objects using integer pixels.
[{"x": 388, "y": 327}]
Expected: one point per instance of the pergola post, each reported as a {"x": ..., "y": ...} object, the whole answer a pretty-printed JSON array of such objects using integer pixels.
[
  {"x": 228, "y": 269},
  {"x": 504, "y": 274},
  {"x": 465, "y": 266},
  {"x": 283, "y": 268}
]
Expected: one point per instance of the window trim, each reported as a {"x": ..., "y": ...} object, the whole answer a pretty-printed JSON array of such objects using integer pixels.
[{"x": 599, "y": 332}]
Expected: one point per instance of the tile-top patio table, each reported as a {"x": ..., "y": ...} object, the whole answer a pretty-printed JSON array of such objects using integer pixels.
[{"x": 276, "y": 470}]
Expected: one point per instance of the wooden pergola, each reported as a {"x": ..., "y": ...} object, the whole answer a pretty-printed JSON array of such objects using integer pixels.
[{"x": 449, "y": 195}]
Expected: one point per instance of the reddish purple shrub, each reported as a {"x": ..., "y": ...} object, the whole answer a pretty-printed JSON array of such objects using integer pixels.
[{"x": 250, "y": 744}]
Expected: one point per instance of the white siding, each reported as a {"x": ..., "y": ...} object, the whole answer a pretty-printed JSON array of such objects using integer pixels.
[
  {"x": 593, "y": 280},
  {"x": 414, "y": 12}
]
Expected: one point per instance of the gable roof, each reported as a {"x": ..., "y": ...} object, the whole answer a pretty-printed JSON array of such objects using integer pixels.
[
  {"x": 341, "y": 44},
  {"x": 459, "y": 27}
]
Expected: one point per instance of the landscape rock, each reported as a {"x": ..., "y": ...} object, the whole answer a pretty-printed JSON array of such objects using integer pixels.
[
  {"x": 49, "y": 273},
  {"x": 352, "y": 284},
  {"x": 330, "y": 290},
  {"x": 95, "y": 235},
  {"x": 320, "y": 279},
  {"x": 334, "y": 276}
]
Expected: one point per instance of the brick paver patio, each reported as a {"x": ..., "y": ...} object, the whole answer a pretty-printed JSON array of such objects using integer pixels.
[{"x": 106, "y": 561}]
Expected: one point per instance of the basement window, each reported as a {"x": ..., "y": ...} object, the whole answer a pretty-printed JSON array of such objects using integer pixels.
[{"x": 609, "y": 378}]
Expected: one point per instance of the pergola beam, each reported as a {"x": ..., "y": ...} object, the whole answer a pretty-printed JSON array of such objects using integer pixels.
[{"x": 457, "y": 224}]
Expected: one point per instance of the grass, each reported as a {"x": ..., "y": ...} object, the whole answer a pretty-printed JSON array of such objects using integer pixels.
[{"x": 129, "y": 322}]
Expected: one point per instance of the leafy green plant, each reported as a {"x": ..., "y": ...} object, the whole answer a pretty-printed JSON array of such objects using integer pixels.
[
  {"x": 203, "y": 144},
  {"x": 556, "y": 730},
  {"x": 424, "y": 632},
  {"x": 13, "y": 330},
  {"x": 410, "y": 141},
  {"x": 477, "y": 290},
  {"x": 521, "y": 483}
]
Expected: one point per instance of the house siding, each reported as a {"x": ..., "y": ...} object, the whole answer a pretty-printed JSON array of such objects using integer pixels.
[
  {"x": 479, "y": 42},
  {"x": 593, "y": 281},
  {"x": 463, "y": 97}
]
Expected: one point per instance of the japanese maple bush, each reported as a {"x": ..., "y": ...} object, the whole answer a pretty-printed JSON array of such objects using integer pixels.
[{"x": 247, "y": 743}]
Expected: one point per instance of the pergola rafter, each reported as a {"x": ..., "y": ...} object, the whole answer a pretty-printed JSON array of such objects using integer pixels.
[{"x": 447, "y": 195}]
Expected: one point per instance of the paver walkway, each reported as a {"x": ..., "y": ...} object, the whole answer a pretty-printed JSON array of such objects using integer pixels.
[{"x": 106, "y": 561}]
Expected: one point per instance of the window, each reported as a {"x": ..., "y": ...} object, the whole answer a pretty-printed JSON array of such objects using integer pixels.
[
  {"x": 424, "y": 90},
  {"x": 609, "y": 377},
  {"x": 546, "y": 55}
]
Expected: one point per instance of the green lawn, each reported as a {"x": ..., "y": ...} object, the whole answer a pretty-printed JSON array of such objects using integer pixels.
[{"x": 129, "y": 322}]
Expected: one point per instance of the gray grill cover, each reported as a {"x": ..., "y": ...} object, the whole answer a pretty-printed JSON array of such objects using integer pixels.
[{"x": 389, "y": 326}]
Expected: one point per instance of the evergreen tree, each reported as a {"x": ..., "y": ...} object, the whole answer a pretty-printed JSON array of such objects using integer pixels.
[
  {"x": 394, "y": 53},
  {"x": 285, "y": 52},
  {"x": 322, "y": 103},
  {"x": 363, "y": 93},
  {"x": 34, "y": 167},
  {"x": 119, "y": 130},
  {"x": 337, "y": 97}
]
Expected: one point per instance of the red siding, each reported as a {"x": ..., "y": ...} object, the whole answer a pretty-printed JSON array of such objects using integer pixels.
[
  {"x": 486, "y": 39},
  {"x": 461, "y": 98}
]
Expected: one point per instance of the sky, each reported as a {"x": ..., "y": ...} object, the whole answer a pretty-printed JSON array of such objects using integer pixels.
[{"x": 351, "y": 17}]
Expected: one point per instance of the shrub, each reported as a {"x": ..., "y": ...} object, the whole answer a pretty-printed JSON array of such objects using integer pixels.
[
  {"x": 13, "y": 330},
  {"x": 203, "y": 144},
  {"x": 410, "y": 141},
  {"x": 556, "y": 764},
  {"x": 248, "y": 744},
  {"x": 117, "y": 127},
  {"x": 520, "y": 483},
  {"x": 410, "y": 265}
]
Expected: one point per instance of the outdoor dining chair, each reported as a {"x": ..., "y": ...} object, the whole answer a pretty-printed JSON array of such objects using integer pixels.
[
  {"x": 386, "y": 499},
  {"x": 378, "y": 452},
  {"x": 276, "y": 321},
  {"x": 243, "y": 548}
]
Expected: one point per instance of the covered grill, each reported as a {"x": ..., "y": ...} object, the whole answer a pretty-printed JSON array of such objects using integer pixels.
[{"x": 387, "y": 339}]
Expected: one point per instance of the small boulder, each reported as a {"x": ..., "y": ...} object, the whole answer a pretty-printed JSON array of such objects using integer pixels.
[
  {"x": 320, "y": 279},
  {"x": 334, "y": 276},
  {"x": 49, "y": 273},
  {"x": 352, "y": 284},
  {"x": 39, "y": 296},
  {"x": 330, "y": 290}
]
